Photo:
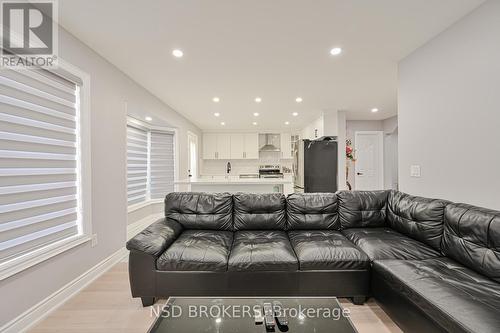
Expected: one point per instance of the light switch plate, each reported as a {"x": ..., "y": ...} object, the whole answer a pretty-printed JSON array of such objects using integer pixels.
[{"x": 415, "y": 171}]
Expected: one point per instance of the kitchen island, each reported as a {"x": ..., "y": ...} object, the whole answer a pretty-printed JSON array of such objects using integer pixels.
[{"x": 234, "y": 184}]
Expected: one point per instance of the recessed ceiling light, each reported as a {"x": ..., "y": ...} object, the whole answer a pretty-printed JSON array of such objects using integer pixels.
[
  {"x": 223, "y": 123},
  {"x": 255, "y": 114},
  {"x": 287, "y": 123},
  {"x": 148, "y": 118},
  {"x": 216, "y": 99},
  {"x": 298, "y": 100},
  {"x": 254, "y": 123},
  {"x": 336, "y": 51},
  {"x": 177, "y": 53},
  {"x": 258, "y": 99},
  {"x": 374, "y": 110},
  {"x": 216, "y": 114},
  {"x": 295, "y": 114}
]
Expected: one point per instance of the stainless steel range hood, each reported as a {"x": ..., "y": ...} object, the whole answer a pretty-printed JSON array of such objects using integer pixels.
[{"x": 272, "y": 143}]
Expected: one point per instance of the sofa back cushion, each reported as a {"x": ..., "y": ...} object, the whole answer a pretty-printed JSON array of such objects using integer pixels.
[
  {"x": 259, "y": 211},
  {"x": 472, "y": 237},
  {"x": 416, "y": 217},
  {"x": 312, "y": 211},
  {"x": 362, "y": 209},
  {"x": 200, "y": 210}
]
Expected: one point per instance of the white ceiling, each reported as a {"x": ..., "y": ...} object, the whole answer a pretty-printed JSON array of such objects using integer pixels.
[{"x": 277, "y": 50}]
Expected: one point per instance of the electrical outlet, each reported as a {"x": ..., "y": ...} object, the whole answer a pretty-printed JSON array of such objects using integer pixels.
[{"x": 94, "y": 240}]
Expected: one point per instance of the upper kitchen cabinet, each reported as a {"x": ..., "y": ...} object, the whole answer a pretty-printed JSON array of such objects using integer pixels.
[
  {"x": 237, "y": 146},
  {"x": 251, "y": 146},
  {"x": 245, "y": 146},
  {"x": 223, "y": 146},
  {"x": 286, "y": 145},
  {"x": 230, "y": 146},
  {"x": 216, "y": 146},
  {"x": 209, "y": 146}
]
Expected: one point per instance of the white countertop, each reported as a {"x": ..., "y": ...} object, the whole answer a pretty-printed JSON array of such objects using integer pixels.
[{"x": 220, "y": 180}]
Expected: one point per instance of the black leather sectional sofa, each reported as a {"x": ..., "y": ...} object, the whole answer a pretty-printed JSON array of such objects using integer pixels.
[{"x": 433, "y": 265}]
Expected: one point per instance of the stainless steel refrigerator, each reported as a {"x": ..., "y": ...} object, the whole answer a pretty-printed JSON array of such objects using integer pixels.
[{"x": 320, "y": 165}]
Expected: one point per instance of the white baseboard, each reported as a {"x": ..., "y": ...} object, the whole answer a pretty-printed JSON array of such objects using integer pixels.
[
  {"x": 136, "y": 227},
  {"x": 41, "y": 310}
]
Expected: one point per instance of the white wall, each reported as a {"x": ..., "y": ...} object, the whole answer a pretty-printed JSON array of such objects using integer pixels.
[
  {"x": 330, "y": 123},
  {"x": 449, "y": 112},
  {"x": 391, "y": 137},
  {"x": 110, "y": 90},
  {"x": 314, "y": 129}
]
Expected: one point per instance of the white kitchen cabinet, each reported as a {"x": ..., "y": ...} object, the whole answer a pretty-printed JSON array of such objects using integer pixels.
[
  {"x": 245, "y": 146},
  {"x": 251, "y": 146},
  {"x": 237, "y": 146},
  {"x": 209, "y": 146},
  {"x": 223, "y": 146},
  {"x": 286, "y": 145},
  {"x": 216, "y": 146}
]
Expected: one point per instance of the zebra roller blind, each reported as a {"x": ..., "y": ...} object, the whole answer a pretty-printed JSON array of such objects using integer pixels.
[
  {"x": 150, "y": 163},
  {"x": 39, "y": 161},
  {"x": 161, "y": 164},
  {"x": 137, "y": 165}
]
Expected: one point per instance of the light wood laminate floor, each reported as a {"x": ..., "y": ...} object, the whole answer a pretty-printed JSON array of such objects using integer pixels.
[{"x": 106, "y": 306}]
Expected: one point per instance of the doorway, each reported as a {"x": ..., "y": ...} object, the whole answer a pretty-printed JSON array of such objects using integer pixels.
[
  {"x": 369, "y": 170},
  {"x": 192, "y": 155}
]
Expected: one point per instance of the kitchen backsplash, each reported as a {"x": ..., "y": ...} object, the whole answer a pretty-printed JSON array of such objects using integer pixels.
[{"x": 218, "y": 167}]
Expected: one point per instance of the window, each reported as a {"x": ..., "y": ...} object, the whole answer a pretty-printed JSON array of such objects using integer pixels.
[
  {"x": 41, "y": 168},
  {"x": 150, "y": 163},
  {"x": 161, "y": 164},
  {"x": 137, "y": 165}
]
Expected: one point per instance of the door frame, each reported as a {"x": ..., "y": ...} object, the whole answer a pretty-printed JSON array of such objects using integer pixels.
[
  {"x": 380, "y": 135},
  {"x": 192, "y": 137}
]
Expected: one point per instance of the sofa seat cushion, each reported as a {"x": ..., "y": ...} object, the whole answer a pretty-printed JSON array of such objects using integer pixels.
[
  {"x": 197, "y": 250},
  {"x": 457, "y": 298},
  {"x": 326, "y": 250},
  {"x": 385, "y": 243},
  {"x": 255, "y": 250}
]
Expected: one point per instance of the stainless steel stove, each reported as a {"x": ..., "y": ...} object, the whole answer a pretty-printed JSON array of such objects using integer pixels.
[{"x": 270, "y": 171}]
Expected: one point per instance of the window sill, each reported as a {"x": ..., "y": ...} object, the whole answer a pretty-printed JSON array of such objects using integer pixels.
[
  {"x": 140, "y": 205},
  {"x": 37, "y": 256}
]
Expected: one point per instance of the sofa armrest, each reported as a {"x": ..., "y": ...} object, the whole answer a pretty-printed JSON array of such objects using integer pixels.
[{"x": 156, "y": 238}]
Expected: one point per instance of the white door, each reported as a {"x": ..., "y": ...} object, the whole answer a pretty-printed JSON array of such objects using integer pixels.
[
  {"x": 224, "y": 146},
  {"x": 369, "y": 171},
  {"x": 209, "y": 146},
  {"x": 252, "y": 146},
  {"x": 237, "y": 146},
  {"x": 193, "y": 155}
]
